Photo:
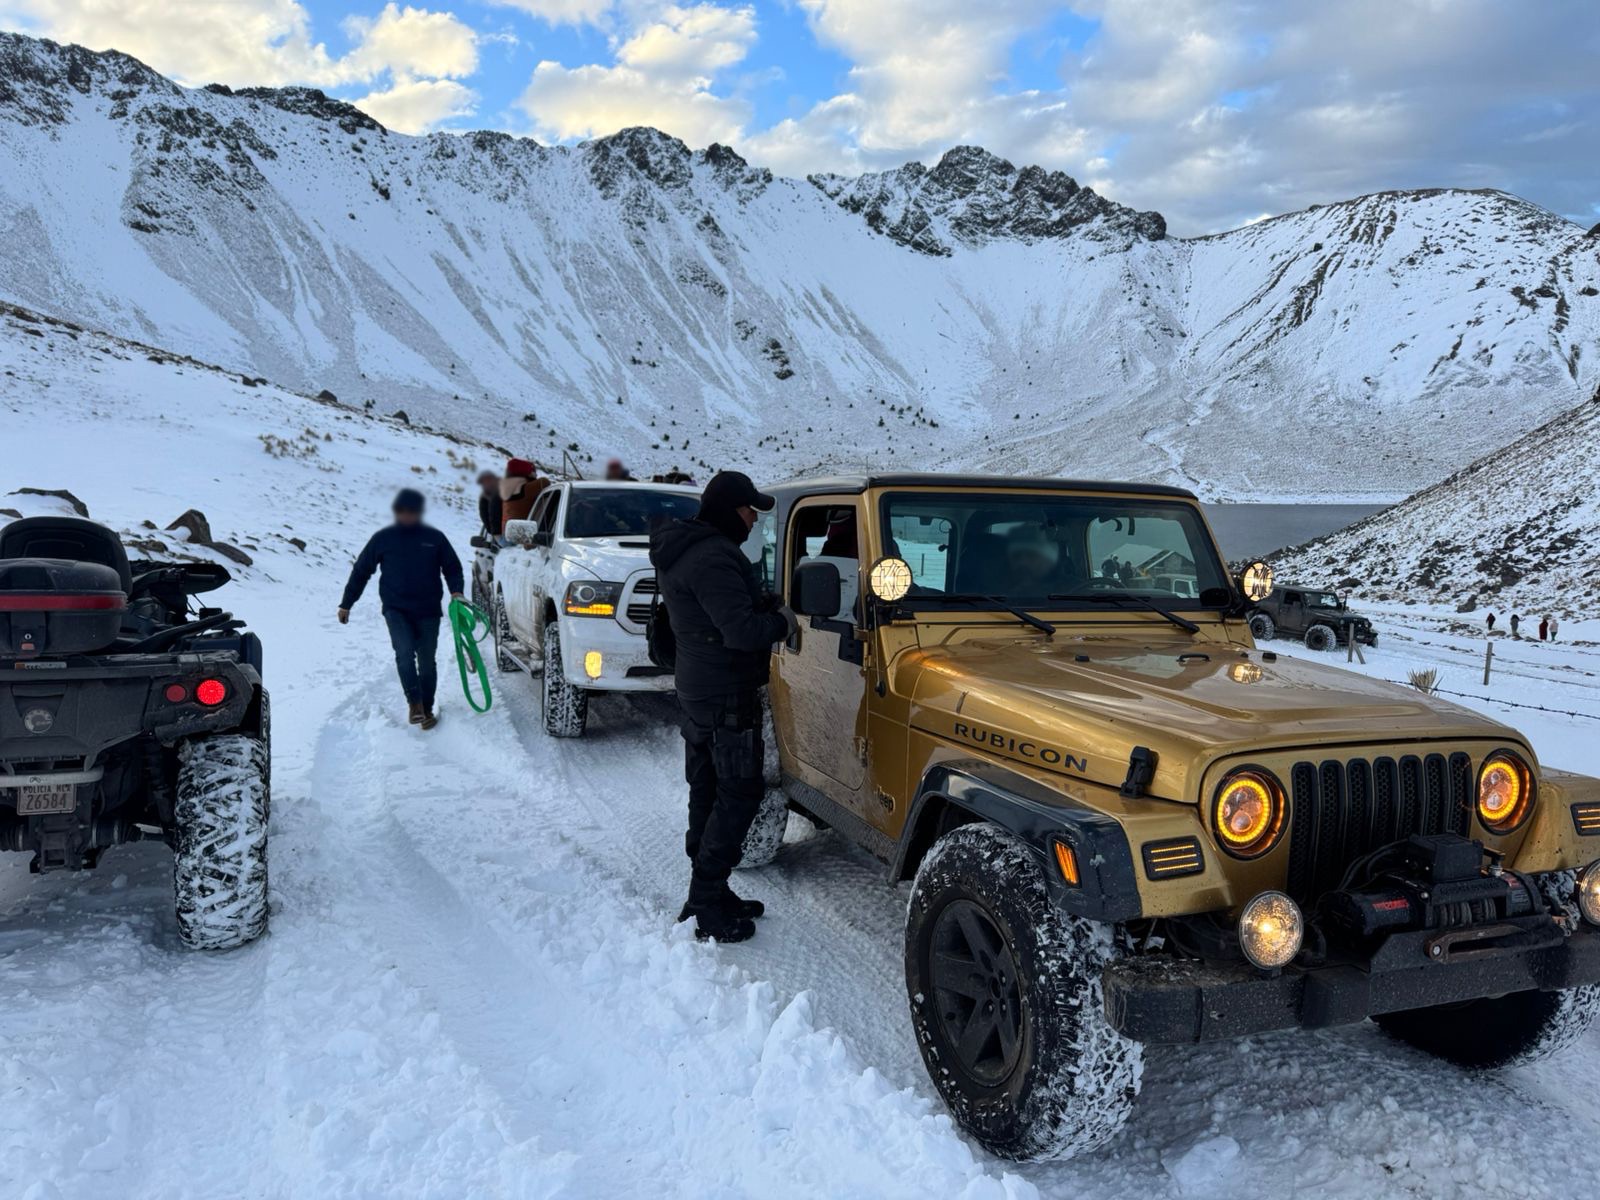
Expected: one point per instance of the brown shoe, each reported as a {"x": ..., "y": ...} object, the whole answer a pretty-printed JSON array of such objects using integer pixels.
[
  {"x": 428, "y": 720},
  {"x": 416, "y": 714}
]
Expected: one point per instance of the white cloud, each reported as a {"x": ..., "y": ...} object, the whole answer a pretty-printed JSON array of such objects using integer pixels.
[
  {"x": 662, "y": 75},
  {"x": 269, "y": 43},
  {"x": 562, "y": 12},
  {"x": 418, "y": 105}
]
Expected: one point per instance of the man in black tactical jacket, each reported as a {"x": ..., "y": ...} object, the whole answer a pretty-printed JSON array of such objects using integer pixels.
[{"x": 725, "y": 626}]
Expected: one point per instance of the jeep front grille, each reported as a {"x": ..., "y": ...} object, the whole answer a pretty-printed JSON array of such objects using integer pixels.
[{"x": 1342, "y": 810}]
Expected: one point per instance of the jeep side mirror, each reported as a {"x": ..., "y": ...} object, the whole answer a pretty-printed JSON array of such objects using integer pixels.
[{"x": 818, "y": 591}]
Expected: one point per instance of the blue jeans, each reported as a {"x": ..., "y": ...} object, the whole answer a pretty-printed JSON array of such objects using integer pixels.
[{"x": 416, "y": 644}]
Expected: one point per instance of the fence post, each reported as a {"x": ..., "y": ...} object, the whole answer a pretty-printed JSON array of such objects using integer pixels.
[{"x": 1488, "y": 660}]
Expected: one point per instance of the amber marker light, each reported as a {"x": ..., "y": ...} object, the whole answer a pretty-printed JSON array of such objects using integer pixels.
[{"x": 1067, "y": 861}]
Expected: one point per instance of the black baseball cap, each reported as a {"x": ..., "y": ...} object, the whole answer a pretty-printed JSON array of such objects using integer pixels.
[{"x": 733, "y": 489}]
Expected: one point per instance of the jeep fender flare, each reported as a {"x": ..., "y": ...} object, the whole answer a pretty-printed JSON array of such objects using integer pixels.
[{"x": 973, "y": 789}]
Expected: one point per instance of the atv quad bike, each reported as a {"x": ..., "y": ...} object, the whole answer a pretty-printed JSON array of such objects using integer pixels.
[{"x": 124, "y": 717}]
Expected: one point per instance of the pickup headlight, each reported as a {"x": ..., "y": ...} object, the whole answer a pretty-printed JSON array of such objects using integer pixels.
[{"x": 591, "y": 598}]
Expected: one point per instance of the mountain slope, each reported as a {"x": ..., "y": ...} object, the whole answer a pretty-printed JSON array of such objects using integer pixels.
[
  {"x": 686, "y": 308},
  {"x": 1517, "y": 530}
]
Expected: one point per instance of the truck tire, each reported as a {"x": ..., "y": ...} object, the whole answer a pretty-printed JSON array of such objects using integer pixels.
[
  {"x": 220, "y": 844},
  {"x": 566, "y": 708},
  {"x": 503, "y": 640},
  {"x": 1505, "y": 1031},
  {"x": 1321, "y": 638},
  {"x": 1262, "y": 627},
  {"x": 1006, "y": 1002}
]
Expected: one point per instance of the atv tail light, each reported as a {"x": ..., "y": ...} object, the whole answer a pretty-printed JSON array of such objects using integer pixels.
[
  {"x": 1247, "y": 814},
  {"x": 211, "y": 692},
  {"x": 1589, "y": 893},
  {"x": 1505, "y": 792},
  {"x": 60, "y": 602},
  {"x": 1271, "y": 929},
  {"x": 1067, "y": 863},
  {"x": 176, "y": 693}
]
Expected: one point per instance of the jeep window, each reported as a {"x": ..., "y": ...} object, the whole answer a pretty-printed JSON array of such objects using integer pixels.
[
  {"x": 761, "y": 548},
  {"x": 828, "y": 533},
  {"x": 1028, "y": 548},
  {"x": 624, "y": 511},
  {"x": 1322, "y": 600}
]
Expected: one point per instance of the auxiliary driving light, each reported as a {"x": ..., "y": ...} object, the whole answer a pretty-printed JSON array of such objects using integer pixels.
[
  {"x": 1271, "y": 929},
  {"x": 592, "y": 664},
  {"x": 1589, "y": 893},
  {"x": 890, "y": 579},
  {"x": 1256, "y": 581}
]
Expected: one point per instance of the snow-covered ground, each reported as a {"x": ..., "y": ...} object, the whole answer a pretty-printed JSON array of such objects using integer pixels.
[{"x": 473, "y": 987}]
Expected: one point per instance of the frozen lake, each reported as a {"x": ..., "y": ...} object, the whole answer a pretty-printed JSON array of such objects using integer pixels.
[{"x": 1252, "y": 530}]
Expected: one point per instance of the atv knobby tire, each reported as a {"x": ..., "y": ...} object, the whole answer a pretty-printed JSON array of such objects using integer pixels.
[
  {"x": 220, "y": 844},
  {"x": 503, "y": 660},
  {"x": 566, "y": 708},
  {"x": 1505, "y": 1031},
  {"x": 1321, "y": 638},
  {"x": 1262, "y": 627},
  {"x": 1017, "y": 1043}
]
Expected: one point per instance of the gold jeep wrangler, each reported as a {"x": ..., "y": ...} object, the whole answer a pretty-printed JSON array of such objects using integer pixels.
[{"x": 1040, "y": 701}]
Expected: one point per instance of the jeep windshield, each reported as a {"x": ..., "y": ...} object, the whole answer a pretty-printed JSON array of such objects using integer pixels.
[
  {"x": 624, "y": 511},
  {"x": 1056, "y": 552}
]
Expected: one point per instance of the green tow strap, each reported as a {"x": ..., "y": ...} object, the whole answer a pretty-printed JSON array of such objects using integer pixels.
[{"x": 470, "y": 625}]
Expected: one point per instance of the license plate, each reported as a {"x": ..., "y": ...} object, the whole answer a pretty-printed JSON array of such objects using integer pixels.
[{"x": 43, "y": 799}]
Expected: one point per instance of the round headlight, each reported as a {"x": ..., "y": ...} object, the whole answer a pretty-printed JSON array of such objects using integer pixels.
[
  {"x": 1505, "y": 792},
  {"x": 1256, "y": 581},
  {"x": 1271, "y": 929},
  {"x": 1589, "y": 893},
  {"x": 584, "y": 593},
  {"x": 890, "y": 579},
  {"x": 1248, "y": 813}
]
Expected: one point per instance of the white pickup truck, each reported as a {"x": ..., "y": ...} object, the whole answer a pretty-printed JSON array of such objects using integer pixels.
[{"x": 570, "y": 595}]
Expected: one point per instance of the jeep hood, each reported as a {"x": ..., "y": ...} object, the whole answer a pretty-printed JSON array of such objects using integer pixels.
[{"x": 1081, "y": 705}]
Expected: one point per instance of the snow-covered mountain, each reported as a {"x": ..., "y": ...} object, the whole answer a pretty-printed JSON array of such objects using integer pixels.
[
  {"x": 687, "y": 308},
  {"x": 1518, "y": 530}
]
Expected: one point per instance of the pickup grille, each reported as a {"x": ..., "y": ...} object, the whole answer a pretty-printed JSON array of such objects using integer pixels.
[
  {"x": 1343, "y": 810},
  {"x": 644, "y": 591}
]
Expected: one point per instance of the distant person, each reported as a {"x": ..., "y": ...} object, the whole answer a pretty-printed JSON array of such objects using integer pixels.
[
  {"x": 412, "y": 557},
  {"x": 1516, "y": 624},
  {"x": 617, "y": 472},
  {"x": 519, "y": 489},
  {"x": 1544, "y": 629},
  {"x": 489, "y": 503},
  {"x": 1553, "y": 628},
  {"x": 1491, "y": 622}
]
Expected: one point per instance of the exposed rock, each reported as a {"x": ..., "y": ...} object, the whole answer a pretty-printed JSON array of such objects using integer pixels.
[
  {"x": 78, "y": 506},
  {"x": 194, "y": 522}
]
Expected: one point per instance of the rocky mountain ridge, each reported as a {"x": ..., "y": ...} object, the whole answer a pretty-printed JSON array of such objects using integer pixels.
[{"x": 686, "y": 308}]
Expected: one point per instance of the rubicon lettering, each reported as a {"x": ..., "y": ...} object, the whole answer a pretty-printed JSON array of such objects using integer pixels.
[{"x": 1021, "y": 747}]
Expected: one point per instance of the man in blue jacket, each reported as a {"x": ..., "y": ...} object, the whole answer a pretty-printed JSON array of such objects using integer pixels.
[{"x": 413, "y": 556}]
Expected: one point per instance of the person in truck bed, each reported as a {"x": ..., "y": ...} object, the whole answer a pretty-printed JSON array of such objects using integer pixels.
[{"x": 413, "y": 556}]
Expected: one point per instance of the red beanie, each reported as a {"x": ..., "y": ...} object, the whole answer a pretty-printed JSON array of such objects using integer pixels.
[{"x": 520, "y": 467}]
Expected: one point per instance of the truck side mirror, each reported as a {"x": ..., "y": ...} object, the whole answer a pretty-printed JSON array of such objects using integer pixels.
[
  {"x": 543, "y": 538},
  {"x": 479, "y": 542},
  {"x": 817, "y": 589},
  {"x": 523, "y": 533}
]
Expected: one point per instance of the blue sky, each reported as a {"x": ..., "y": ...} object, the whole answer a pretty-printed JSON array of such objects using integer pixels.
[{"x": 1214, "y": 112}]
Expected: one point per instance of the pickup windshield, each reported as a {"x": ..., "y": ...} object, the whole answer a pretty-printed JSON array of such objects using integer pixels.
[
  {"x": 624, "y": 511},
  {"x": 1052, "y": 552}
]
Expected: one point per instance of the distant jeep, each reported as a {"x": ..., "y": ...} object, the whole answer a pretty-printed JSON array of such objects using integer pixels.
[{"x": 1319, "y": 617}]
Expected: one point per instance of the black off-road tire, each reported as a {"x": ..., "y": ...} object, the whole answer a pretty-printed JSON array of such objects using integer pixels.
[
  {"x": 504, "y": 663},
  {"x": 1063, "y": 1082},
  {"x": 1322, "y": 638},
  {"x": 1262, "y": 627},
  {"x": 566, "y": 708},
  {"x": 1506, "y": 1031},
  {"x": 220, "y": 840},
  {"x": 765, "y": 839}
]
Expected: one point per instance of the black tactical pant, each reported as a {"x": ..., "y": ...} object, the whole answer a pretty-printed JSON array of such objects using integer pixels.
[{"x": 722, "y": 761}]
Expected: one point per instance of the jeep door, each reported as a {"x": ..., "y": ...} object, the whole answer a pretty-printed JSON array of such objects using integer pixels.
[{"x": 819, "y": 690}]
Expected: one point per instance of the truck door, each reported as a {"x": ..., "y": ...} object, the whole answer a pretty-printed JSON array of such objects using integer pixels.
[
  {"x": 819, "y": 692},
  {"x": 527, "y": 608}
]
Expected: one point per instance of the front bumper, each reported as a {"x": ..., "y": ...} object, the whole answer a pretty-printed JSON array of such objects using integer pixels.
[
  {"x": 1168, "y": 1000},
  {"x": 625, "y": 664}
]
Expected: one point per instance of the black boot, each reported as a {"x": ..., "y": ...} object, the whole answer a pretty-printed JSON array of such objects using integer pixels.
[
  {"x": 712, "y": 919},
  {"x": 735, "y": 907}
]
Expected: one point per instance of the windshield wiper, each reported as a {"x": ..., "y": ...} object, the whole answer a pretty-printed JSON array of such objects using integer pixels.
[
  {"x": 1118, "y": 597},
  {"x": 1027, "y": 618}
]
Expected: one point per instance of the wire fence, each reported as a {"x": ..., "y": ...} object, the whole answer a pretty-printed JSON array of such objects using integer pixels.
[{"x": 1565, "y": 712}]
